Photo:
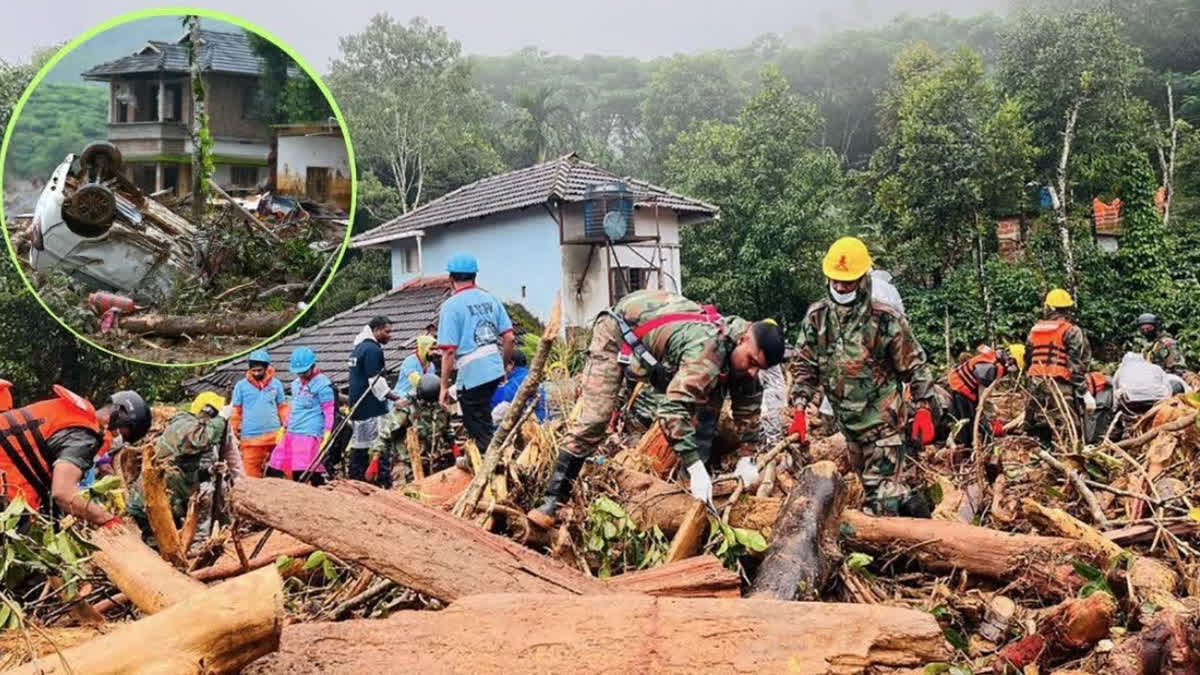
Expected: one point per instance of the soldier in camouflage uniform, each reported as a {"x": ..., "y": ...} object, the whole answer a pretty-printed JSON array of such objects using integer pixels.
[
  {"x": 693, "y": 356},
  {"x": 861, "y": 351},
  {"x": 1058, "y": 354},
  {"x": 1157, "y": 346},
  {"x": 420, "y": 409},
  {"x": 199, "y": 457}
]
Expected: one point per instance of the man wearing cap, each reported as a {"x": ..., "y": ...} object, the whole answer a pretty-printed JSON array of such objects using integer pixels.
[
  {"x": 861, "y": 352},
  {"x": 370, "y": 396},
  {"x": 476, "y": 337},
  {"x": 1059, "y": 355},
  {"x": 259, "y": 412}
]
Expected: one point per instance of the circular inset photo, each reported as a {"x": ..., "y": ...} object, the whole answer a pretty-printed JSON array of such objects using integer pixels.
[{"x": 178, "y": 188}]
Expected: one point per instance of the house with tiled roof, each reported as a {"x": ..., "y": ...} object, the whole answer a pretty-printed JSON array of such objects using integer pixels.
[
  {"x": 150, "y": 111},
  {"x": 566, "y": 224}
]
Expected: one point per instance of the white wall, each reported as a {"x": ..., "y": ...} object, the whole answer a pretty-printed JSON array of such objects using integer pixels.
[{"x": 297, "y": 153}]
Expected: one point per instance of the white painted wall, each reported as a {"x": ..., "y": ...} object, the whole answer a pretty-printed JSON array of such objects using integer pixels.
[{"x": 297, "y": 153}]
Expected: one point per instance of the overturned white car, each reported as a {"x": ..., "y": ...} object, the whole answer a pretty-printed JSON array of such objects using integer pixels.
[{"x": 93, "y": 223}]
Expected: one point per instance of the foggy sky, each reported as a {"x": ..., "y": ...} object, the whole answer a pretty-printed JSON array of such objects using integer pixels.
[{"x": 643, "y": 28}]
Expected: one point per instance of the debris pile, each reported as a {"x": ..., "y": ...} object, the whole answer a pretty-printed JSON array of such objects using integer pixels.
[{"x": 1065, "y": 560}]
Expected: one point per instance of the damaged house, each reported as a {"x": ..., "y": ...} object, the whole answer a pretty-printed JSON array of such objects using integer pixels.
[
  {"x": 564, "y": 224},
  {"x": 150, "y": 112}
]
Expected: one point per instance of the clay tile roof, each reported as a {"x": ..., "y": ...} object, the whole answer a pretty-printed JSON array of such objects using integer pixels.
[
  {"x": 411, "y": 307},
  {"x": 219, "y": 53},
  {"x": 564, "y": 179}
]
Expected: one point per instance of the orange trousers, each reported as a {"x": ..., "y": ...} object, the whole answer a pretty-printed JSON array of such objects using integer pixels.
[{"x": 255, "y": 455}]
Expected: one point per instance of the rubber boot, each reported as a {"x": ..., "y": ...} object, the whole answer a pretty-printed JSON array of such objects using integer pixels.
[{"x": 566, "y": 470}]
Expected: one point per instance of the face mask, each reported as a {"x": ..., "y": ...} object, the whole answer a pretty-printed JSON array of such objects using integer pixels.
[{"x": 842, "y": 298}]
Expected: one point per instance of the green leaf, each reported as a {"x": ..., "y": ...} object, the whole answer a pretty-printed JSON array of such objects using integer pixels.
[
  {"x": 595, "y": 543},
  {"x": 936, "y": 668},
  {"x": 858, "y": 561},
  {"x": 606, "y": 505},
  {"x": 105, "y": 485},
  {"x": 315, "y": 560},
  {"x": 5, "y": 612},
  {"x": 751, "y": 539},
  {"x": 327, "y": 570},
  {"x": 1087, "y": 571},
  {"x": 955, "y": 638},
  {"x": 610, "y": 530},
  {"x": 283, "y": 562},
  {"x": 960, "y": 670}
]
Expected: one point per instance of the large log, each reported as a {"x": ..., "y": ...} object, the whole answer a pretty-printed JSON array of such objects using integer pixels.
[
  {"x": 701, "y": 576},
  {"x": 617, "y": 634},
  {"x": 804, "y": 553},
  {"x": 1033, "y": 562},
  {"x": 218, "y": 631},
  {"x": 144, "y": 577},
  {"x": 255, "y": 325},
  {"x": 158, "y": 510},
  {"x": 418, "y": 547}
]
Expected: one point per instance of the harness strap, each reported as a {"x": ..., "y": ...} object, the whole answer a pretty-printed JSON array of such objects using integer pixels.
[{"x": 26, "y": 459}]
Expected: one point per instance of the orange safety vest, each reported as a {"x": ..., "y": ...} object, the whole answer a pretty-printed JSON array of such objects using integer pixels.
[
  {"x": 1097, "y": 382},
  {"x": 1050, "y": 357},
  {"x": 962, "y": 377},
  {"x": 26, "y": 467}
]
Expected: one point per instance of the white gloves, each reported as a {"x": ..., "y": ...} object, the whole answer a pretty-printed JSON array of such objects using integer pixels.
[
  {"x": 1089, "y": 402},
  {"x": 746, "y": 471},
  {"x": 701, "y": 482}
]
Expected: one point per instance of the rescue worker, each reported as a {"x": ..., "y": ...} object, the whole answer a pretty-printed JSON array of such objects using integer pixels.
[
  {"x": 966, "y": 382},
  {"x": 310, "y": 420},
  {"x": 476, "y": 337},
  {"x": 370, "y": 395},
  {"x": 198, "y": 457},
  {"x": 860, "y": 352},
  {"x": 1138, "y": 384},
  {"x": 1058, "y": 355},
  {"x": 6, "y": 399},
  {"x": 417, "y": 363},
  {"x": 259, "y": 412},
  {"x": 689, "y": 353},
  {"x": 1097, "y": 424},
  {"x": 516, "y": 370},
  {"x": 422, "y": 411},
  {"x": 1157, "y": 346},
  {"x": 46, "y": 447}
]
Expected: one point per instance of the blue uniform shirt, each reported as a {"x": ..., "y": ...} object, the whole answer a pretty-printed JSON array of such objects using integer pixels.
[
  {"x": 410, "y": 365},
  {"x": 366, "y": 361},
  {"x": 306, "y": 417},
  {"x": 508, "y": 392},
  {"x": 471, "y": 322},
  {"x": 260, "y": 407}
]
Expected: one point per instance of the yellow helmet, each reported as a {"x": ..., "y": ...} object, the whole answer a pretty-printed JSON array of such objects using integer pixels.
[
  {"x": 1018, "y": 353},
  {"x": 1057, "y": 298},
  {"x": 207, "y": 398},
  {"x": 847, "y": 260}
]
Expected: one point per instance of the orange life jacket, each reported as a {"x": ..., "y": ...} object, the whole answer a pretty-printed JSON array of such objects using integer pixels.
[
  {"x": 962, "y": 377},
  {"x": 6, "y": 402},
  {"x": 1097, "y": 382},
  {"x": 1050, "y": 357},
  {"x": 26, "y": 465}
]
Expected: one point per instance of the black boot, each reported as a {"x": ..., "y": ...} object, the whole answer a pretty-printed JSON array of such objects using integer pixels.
[{"x": 558, "y": 490}]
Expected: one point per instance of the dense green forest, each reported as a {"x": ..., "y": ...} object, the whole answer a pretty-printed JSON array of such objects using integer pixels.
[
  {"x": 57, "y": 119},
  {"x": 917, "y": 135}
]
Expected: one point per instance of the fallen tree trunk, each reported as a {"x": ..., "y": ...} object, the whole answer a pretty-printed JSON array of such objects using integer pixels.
[
  {"x": 702, "y": 576},
  {"x": 418, "y": 547},
  {"x": 218, "y": 631},
  {"x": 617, "y": 634},
  {"x": 804, "y": 553},
  {"x": 18, "y": 647},
  {"x": 255, "y": 325},
  {"x": 158, "y": 510},
  {"x": 649, "y": 500},
  {"x": 1033, "y": 562},
  {"x": 146, "y": 579}
]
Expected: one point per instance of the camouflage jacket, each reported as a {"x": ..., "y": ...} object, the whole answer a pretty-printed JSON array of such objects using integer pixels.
[
  {"x": 696, "y": 357},
  {"x": 1079, "y": 354},
  {"x": 430, "y": 419},
  {"x": 1163, "y": 352},
  {"x": 861, "y": 354},
  {"x": 188, "y": 449}
]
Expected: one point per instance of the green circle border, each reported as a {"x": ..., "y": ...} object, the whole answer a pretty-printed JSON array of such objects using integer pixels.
[{"x": 180, "y": 11}]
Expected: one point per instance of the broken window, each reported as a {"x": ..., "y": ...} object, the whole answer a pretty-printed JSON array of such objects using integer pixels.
[
  {"x": 174, "y": 109},
  {"x": 625, "y": 280},
  {"x": 243, "y": 176}
]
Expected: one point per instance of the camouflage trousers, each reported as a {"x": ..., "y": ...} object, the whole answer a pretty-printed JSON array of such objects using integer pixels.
[
  {"x": 877, "y": 462},
  {"x": 599, "y": 392}
]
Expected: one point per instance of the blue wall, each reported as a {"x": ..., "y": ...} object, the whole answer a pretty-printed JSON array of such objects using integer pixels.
[{"x": 514, "y": 249}]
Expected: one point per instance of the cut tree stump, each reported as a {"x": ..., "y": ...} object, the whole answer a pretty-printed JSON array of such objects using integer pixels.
[
  {"x": 254, "y": 325},
  {"x": 416, "y": 546},
  {"x": 1033, "y": 562},
  {"x": 502, "y": 634},
  {"x": 804, "y": 553},
  {"x": 218, "y": 631},
  {"x": 701, "y": 576},
  {"x": 147, "y": 580}
]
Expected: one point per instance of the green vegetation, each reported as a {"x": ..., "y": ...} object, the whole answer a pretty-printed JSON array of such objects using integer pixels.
[{"x": 58, "y": 119}]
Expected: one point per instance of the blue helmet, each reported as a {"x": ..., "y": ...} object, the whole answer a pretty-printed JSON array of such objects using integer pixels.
[
  {"x": 260, "y": 356},
  {"x": 463, "y": 263},
  {"x": 303, "y": 358}
]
